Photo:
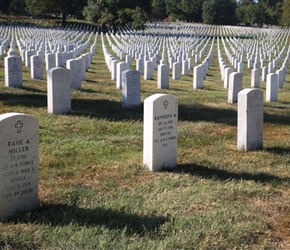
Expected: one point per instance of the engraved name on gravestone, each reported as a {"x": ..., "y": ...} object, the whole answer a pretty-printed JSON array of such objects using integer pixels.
[
  {"x": 13, "y": 71},
  {"x": 19, "y": 138},
  {"x": 131, "y": 89},
  {"x": 160, "y": 131}
]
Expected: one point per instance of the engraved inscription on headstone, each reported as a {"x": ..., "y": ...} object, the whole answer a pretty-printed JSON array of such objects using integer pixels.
[
  {"x": 13, "y": 71},
  {"x": 131, "y": 90},
  {"x": 19, "y": 136},
  {"x": 160, "y": 131}
]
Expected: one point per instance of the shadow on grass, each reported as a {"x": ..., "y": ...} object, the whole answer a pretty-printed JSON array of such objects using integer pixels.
[
  {"x": 113, "y": 110},
  {"x": 223, "y": 175},
  {"x": 26, "y": 100},
  {"x": 278, "y": 150},
  {"x": 63, "y": 215},
  {"x": 278, "y": 119},
  {"x": 34, "y": 90},
  {"x": 105, "y": 109},
  {"x": 201, "y": 113}
]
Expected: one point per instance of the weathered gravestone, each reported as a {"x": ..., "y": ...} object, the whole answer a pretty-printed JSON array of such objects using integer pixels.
[
  {"x": 131, "y": 89},
  {"x": 160, "y": 131},
  {"x": 19, "y": 140},
  {"x": 58, "y": 91},
  {"x": 13, "y": 71},
  {"x": 250, "y": 119}
]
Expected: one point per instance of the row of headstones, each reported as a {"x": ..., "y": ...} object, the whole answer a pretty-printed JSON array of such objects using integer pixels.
[
  {"x": 233, "y": 80},
  {"x": 258, "y": 62},
  {"x": 236, "y": 56},
  {"x": 148, "y": 66},
  {"x": 77, "y": 66},
  {"x": 60, "y": 80},
  {"x": 19, "y": 135},
  {"x": 236, "y": 63},
  {"x": 199, "y": 29},
  {"x": 175, "y": 52},
  {"x": 117, "y": 67}
]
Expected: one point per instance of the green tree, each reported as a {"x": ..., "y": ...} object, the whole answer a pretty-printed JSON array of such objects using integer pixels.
[
  {"x": 285, "y": 20},
  {"x": 17, "y": 7},
  {"x": 272, "y": 11},
  {"x": 5, "y": 7},
  {"x": 219, "y": 12},
  {"x": 72, "y": 7},
  {"x": 192, "y": 9},
  {"x": 244, "y": 11},
  {"x": 158, "y": 10},
  {"x": 117, "y": 12},
  {"x": 173, "y": 10}
]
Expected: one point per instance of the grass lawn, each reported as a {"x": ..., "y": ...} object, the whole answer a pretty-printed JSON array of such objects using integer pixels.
[{"x": 95, "y": 193}]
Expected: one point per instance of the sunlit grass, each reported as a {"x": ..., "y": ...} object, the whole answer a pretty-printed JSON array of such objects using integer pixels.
[{"x": 95, "y": 193}]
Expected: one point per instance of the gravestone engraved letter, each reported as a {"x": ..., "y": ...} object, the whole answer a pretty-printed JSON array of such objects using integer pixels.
[
  {"x": 160, "y": 131},
  {"x": 19, "y": 140}
]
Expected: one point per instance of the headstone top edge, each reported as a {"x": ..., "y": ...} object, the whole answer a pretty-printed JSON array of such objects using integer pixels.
[{"x": 155, "y": 96}]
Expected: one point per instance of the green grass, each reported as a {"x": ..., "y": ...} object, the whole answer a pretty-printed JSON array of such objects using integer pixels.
[{"x": 95, "y": 193}]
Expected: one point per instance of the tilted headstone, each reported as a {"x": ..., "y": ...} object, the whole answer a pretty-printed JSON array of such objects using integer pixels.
[
  {"x": 13, "y": 71},
  {"x": 250, "y": 119},
  {"x": 19, "y": 140},
  {"x": 160, "y": 131},
  {"x": 58, "y": 91},
  {"x": 131, "y": 88}
]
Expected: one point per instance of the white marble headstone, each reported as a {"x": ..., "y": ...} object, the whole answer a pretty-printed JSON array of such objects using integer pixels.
[
  {"x": 58, "y": 91},
  {"x": 13, "y": 71},
  {"x": 131, "y": 89},
  {"x": 250, "y": 119},
  {"x": 160, "y": 131},
  {"x": 19, "y": 140}
]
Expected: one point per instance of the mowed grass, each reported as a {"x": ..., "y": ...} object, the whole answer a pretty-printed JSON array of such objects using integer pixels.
[{"x": 95, "y": 193}]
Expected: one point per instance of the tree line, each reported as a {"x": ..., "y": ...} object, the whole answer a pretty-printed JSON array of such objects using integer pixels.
[{"x": 135, "y": 12}]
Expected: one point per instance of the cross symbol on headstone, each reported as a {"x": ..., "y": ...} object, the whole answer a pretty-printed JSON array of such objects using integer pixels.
[
  {"x": 19, "y": 125},
  {"x": 165, "y": 103}
]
